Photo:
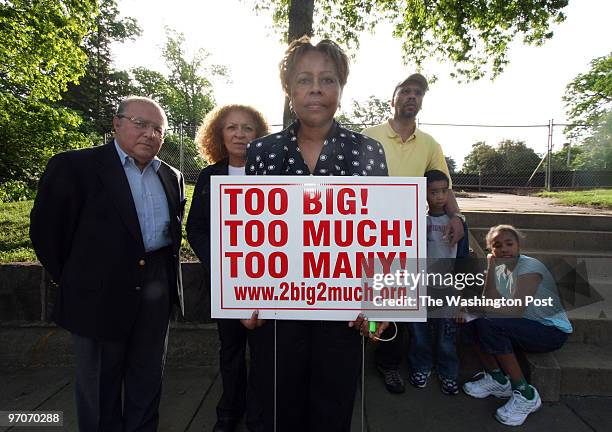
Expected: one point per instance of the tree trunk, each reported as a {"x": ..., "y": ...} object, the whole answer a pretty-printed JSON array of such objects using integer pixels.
[
  {"x": 300, "y": 19},
  {"x": 300, "y": 24}
]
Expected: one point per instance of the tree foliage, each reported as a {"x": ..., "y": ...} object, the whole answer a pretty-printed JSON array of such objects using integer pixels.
[
  {"x": 365, "y": 113},
  {"x": 594, "y": 153},
  {"x": 100, "y": 90},
  {"x": 40, "y": 45},
  {"x": 31, "y": 132},
  {"x": 481, "y": 159},
  {"x": 451, "y": 164},
  {"x": 40, "y": 53},
  {"x": 588, "y": 98},
  {"x": 372, "y": 111},
  {"x": 186, "y": 93},
  {"x": 509, "y": 157},
  {"x": 473, "y": 35}
]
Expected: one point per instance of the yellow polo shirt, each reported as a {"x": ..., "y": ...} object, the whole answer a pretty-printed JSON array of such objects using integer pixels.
[{"x": 410, "y": 158}]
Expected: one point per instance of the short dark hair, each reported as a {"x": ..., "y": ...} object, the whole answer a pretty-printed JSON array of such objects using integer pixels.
[
  {"x": 301, "y": 46},
  {"x": 436, "y": 175}
]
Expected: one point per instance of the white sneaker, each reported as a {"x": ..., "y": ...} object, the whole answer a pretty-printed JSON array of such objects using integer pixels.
[
  {"x": 515, "y": 411},
  {"x": 487, "y": 386}
]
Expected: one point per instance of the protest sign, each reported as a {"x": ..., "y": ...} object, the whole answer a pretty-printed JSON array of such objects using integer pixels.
[{"x": 296, "y": 247}]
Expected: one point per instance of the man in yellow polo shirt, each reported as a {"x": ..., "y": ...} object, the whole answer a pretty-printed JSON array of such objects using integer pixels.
[{"x": 410, "y": 152}]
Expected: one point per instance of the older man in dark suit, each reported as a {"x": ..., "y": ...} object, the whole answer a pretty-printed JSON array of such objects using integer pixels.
[{"x": 106, "y": 224}]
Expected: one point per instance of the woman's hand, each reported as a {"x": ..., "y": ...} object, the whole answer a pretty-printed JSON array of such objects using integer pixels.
[
  {"x": 362, "y": 324},
  {"x": 253, "y": 322}
]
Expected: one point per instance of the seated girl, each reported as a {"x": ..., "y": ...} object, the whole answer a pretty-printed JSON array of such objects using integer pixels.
[{"x": 528, "y": 327}]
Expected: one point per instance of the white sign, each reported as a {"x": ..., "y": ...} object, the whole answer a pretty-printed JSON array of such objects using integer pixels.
[{"x": 296, "y": 247}]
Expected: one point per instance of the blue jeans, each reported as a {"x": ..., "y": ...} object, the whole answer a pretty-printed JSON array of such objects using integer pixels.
[
  {"x": 502, "y": 335},
  {"x": 434, "y": 339}
]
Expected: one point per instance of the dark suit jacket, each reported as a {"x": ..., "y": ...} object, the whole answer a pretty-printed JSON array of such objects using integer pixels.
[
  {"x": 198, "y": 221},
  {"x": 86, "y": 233}
]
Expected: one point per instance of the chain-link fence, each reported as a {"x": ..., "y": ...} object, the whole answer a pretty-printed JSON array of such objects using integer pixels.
[
  {"x": 528, "y": 156},
  {"x": 543, "y": 163}
]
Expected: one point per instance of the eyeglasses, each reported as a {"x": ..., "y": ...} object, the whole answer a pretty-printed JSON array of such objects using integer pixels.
[{"x": 141, "y": 124}]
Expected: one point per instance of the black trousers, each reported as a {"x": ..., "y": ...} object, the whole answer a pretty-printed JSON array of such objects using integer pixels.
[
  {"x": 389, "y": 354},
  {"x": 317, "y": 371},
  {"x": 232, "y": 364},
  {"x": 135, "y": 364}
]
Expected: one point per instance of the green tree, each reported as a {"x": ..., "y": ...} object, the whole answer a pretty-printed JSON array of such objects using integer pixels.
[
  {"x": 40, "y": 45},
  {"x": 365, "y": 113},
  {"x": 32, "y": 131},
  {"x": 372, "y": 111},
  {"x": 100, "y": 90},
  {"x": 482, "y": 159},
  {"x": 186, "y": 92},
  {"x": 588, "y": 98},
  {"x": 40, "y": 53},
  {"x": 517, "y": 157},
  {"x": 473, "y": 35},
  {"x": 451, "y": 164},
  {"x": 509, "y": 157},
  {"x": 595, "y": 153},
  {"x": 564, "y": 158}
]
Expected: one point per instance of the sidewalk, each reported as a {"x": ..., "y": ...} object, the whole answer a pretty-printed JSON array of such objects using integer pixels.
[
  {"x": 190, "y": 395},
  {"x": 501, "y": 202}
]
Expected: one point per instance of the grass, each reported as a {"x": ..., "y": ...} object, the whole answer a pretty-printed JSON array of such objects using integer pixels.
[
  {"x": 15, "y": 245},
  {"x": 598, "y": 198}
]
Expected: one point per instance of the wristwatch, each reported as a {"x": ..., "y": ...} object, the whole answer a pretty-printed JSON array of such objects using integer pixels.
[{"x": 460, "y": 216}]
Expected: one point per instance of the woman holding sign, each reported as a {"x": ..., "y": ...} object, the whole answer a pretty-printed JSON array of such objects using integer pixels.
[
  {"x": 317, "y": 362},
  {"x": 222, "y": 140}
]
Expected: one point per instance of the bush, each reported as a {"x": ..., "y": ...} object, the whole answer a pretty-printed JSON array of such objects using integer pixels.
[{"x": 16, "y": 190}]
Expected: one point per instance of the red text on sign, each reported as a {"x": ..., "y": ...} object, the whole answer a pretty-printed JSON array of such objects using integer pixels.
[
  {"x": 255, "y": 233},
  {"x": 257, "y": 200},
  {"x": 343, "y": 201},
  {"x": 256, "y": 265}
]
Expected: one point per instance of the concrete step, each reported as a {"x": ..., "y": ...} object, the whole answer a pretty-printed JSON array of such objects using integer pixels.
[
  {"x": 593, "y": 312},
  {"x": 576, "y": 369},
  {"x": 586, "y": 370},
  {"x": 559, "y": 221},
  {"x": 590, "y": 331},
  {"x": 556, "y": 239},
  {"x": 42, "y": 344},
  {"x": 582, "y": 367}
]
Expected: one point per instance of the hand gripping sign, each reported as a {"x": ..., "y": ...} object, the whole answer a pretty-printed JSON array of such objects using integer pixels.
[{"x": 325, "y": 248}]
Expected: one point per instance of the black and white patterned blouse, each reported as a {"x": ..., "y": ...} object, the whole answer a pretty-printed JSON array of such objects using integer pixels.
[{"x": 344, "y": 153}]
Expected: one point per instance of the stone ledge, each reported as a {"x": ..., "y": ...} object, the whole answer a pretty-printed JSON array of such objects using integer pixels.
[{"x": 27, "y": 294}]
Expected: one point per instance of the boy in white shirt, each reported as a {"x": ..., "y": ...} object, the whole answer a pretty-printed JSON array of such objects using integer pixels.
[{"x": 433, "y": 342}]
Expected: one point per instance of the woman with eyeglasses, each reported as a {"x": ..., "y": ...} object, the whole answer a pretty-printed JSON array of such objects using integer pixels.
[{"x": 222, "y": 140}]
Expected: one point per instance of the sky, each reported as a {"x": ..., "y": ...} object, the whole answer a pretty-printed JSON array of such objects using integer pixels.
[{"x": 528, "y": 92}]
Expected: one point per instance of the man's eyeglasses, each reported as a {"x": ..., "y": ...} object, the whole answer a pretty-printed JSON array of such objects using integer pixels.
[{"x": 141, "y": 124}]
